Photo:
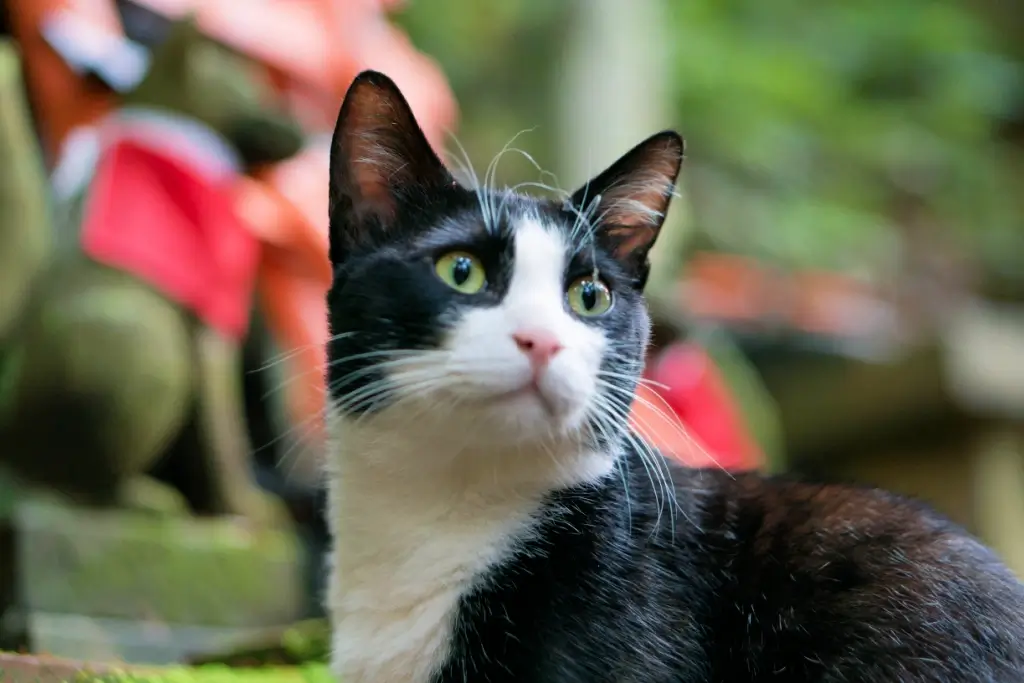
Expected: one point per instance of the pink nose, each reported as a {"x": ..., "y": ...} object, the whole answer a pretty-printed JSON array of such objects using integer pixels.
[{"x": 538, "y": 345}]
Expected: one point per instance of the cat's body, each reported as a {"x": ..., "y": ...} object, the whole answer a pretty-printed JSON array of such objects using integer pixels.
[
  {"x": 761, "y": 581},
  {"x": 494, "y": 521}
]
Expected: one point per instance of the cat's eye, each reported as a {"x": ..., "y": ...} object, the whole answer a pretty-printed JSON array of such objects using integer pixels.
[
  {"x": 461, "y": 271},
  {"x": 589, "y": 297}
]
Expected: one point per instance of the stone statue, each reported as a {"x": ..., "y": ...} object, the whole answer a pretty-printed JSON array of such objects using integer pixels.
[{"x": 127, "y": 297}]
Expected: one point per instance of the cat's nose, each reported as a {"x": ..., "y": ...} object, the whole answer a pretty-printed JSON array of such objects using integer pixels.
[{"x": 538, "y": 345}]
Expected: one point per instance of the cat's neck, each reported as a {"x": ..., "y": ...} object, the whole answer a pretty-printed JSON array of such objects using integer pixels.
[
  {"x": 419, "y": 514},
  {"x": 399, "y": 495},
  {"x": 415, "y": 520},
  {"x": 398, "y": 460}
]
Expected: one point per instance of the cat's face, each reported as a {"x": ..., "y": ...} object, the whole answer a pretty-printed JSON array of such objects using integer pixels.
[{"x": 484, "y": 315}]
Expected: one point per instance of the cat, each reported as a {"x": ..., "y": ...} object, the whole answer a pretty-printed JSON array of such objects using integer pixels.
[{"x": 493, "y": 518}]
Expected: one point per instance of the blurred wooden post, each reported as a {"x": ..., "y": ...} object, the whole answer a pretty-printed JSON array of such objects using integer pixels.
[
  {"x": 985, "y": 373},
  {"x": 615, "y": 88},
  {"x": 998, "y": 482}
]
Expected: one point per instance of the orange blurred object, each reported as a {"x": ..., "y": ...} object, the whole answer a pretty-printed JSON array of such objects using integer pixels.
[
  {"x": 286, "y": 206},
  {"x": 62, "y": 100}
]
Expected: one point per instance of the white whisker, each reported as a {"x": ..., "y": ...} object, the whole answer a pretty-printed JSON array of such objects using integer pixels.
[
  {"x": 466, "y": 167},
  {"x": 668, "y": 415},
  {"x": 492, "y": 169},
  {"x": 650, "y": 459}
]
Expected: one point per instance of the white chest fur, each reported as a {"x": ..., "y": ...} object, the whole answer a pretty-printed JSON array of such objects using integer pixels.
[{"x": 404, "y": 554}]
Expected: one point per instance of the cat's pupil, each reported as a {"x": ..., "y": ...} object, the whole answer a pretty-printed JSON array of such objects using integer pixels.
[
  {"x": 461, "y": 270},
  {"x": 588, "y": 295}
]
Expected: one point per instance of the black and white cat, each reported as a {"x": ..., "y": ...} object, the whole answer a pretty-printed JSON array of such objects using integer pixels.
[{"x": 493, "y": 519}]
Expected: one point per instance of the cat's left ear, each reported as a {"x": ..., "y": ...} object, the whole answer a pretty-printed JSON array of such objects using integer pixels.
[
  {"x": 626, "y": 203},
  {"x": 379, "y": 158}
]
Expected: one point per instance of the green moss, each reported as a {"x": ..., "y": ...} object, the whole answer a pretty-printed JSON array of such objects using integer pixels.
[
  {"x": 309, "y": 641},
  {"x": 43, "y": 669},
  {"x": 306, "y": 642},
  {"x": 214, "y": 673}
]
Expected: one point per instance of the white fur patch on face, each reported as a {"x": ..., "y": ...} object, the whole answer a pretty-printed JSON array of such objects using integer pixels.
[{"x": 482, "y": 359}]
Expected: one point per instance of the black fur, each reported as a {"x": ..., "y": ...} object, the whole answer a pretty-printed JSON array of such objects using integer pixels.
[
  {"x": 760, "y": 580},
  {"x": 734, "y": 578}
]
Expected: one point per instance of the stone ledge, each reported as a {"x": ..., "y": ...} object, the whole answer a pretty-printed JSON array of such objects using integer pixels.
[{"x": 127, "y": 565}]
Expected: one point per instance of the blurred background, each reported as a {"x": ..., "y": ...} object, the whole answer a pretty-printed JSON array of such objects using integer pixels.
[{"x": 838, "y": 291}]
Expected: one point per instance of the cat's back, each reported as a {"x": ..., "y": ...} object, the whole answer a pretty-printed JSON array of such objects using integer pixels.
[{"x": 807, "y": 580}]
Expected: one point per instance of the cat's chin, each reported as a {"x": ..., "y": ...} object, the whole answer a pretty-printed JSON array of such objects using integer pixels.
[
  {"x": 529, "y": 414},
  {"x": 524, "y": 415},
  {"x": 530, "y": 397}
]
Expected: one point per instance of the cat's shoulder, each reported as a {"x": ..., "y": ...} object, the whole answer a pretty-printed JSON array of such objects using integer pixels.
[
  {"x": 816, "y": 516},
  {"x": 885, "y": 572}
]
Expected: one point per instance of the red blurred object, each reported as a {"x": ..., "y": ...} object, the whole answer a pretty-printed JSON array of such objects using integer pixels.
[
  {"x": 693, "y": 416},
  {"x": 742, "y": 292},
  {"x": 169, "y": 218}
]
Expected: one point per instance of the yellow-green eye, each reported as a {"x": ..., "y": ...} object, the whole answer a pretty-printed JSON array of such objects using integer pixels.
[
  {"x": 589, "y": 297},
  {"x": 461, "y": 271}
]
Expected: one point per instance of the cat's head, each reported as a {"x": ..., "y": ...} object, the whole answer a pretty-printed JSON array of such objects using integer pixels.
[{"x": 484, "y": 314}]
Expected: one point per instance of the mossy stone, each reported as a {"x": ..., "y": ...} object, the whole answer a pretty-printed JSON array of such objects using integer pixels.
[{"x": 223, "y": 572}]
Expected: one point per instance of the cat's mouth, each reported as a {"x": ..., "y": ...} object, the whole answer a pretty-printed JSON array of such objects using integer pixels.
[{"x": 529, "y": 391}]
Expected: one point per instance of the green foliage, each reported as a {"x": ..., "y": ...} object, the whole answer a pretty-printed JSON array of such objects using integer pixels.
[
  {"x": 811, "y": 126},
  {"x": 810, "y": 123},
  {"x": 498, "y": 57}
]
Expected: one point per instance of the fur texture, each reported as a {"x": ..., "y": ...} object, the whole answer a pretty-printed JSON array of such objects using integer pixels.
[{"x": 493, "y": 518}]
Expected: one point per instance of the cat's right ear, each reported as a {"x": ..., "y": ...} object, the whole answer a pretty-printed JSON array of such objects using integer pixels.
[{"x": 379, "y": 158}]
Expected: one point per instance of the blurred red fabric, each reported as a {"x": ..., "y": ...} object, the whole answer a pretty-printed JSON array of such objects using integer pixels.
[
  {"x": 689, "y": 412},
  {"x": 158, "y": 218}
]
